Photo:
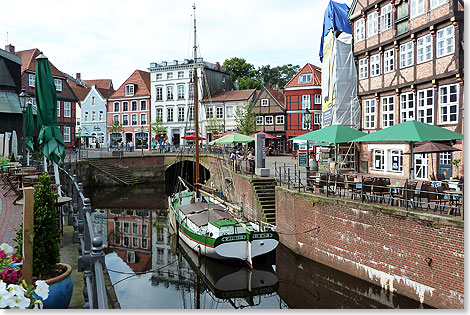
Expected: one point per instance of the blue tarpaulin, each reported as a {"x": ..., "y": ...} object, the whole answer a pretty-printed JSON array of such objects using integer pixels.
[{"x": 336, "y": 18}]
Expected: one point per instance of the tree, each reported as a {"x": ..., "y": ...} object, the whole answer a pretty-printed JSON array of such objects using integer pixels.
[
  {"x": 246, "y": 83},
  {"x": 157, "y": 127},
  {"x": 116, "y": 127},
  {"x": 245, "y": 119},
  {"x": 239, "y": 68},
  {"x": 215, "y": 126}
]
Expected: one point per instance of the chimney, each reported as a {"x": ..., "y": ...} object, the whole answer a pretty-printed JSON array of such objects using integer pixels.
[
  {"x": 78, "y": 76},
  {"x": 10, "y": 48}
]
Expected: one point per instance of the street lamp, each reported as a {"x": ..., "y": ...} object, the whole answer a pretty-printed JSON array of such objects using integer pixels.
[{"x": 23, "y": 105}]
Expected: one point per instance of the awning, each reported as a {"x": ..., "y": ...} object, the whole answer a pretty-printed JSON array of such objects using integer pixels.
[{"x": 9, "y": 103}]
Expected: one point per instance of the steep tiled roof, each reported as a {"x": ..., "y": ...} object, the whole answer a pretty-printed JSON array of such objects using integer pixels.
[
  {"x": 236, "y": 95},
  {"x": 100, "y": 83},
  {"x": 28, "y": 58},
  {"x": 308, "y": 68},
  {"x": 79, "y": 90},
  {"x": 139, "y": 77},
  {"x": 106, "y": 93},
  {"x": 278, "y": 96}
]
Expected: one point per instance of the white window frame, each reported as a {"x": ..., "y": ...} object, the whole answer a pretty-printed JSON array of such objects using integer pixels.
[
  {"x": 445, "y": 41},
  {"x": 259, "y": 120},
  {"x": 125, "y": 120},
  {"x": 395, "y": 153},
  {"x": 144, "y": 103},
  {"x": 159, "y": 93},
  {"x": 305, "y": 78},
  {"x": 424, "y": 49},
  {"x": 374, "y": 65},
  {"x": 169, "y": 75},
  {"x": 388, "y": 111},
  {"x": 229, "y": 112},
  {"x": 134, "y": 120},
  {"x": 114, "y": 107},
  {"x": 305, "y": 101},
  {"x": 425, "y": 106},
  {"x": 181, "y": 113},
  {"x": 386, "y": 17},
  {"x": 85, "y": 116},
  {"x": 421, "y": 169},
  {"x": 306, "y": 121},
  {"x": 143, "y": 119},
  {"x": 209, "y": 112},
  {"x": 67, "y": 134},
  {"x": 169, "y": 92},
  {"x": 370, "y": 113},
  {"x": 389, "y": 60},
  {"x": 31, "y": 80},
  {"x": 360, "y": 30},
  {"x": 116, "y": 118},
  {"x": 67, "y": 109},
  {"x": 406, "y": 54},
  {"x": 159, "y": 113},
  {"x": 363, "y": 68},
  {"x": 159, "y": 76},
  {"x": 129, "y": 90},
  {"x": 58, "y": 108},
  {"x": 180, "y": 74},
  {"x": 169, "y": 114},
  {"x": 407, "y": 107},
  {"x": 264, "y": 102},
  {"x": 416, "y": 8},
  {"x": 437, "y": 3},
  {"x": 447, "y": 101},
  {"x": 180, "y": 91},
  {"x": 125, "y": 106},
  {"x": 58, "y": 85},
  {"x": 317, "y": 118},
  {"x": 378, "y": 160},
  {"x": 93, "y": 115},
  {"x": 280, "y": 120},
  {"x": 372, "y": 24},
  {"x": 269, "y": 120},
  {"x": 317, "y": 99},
  {"x": 134, "y": 105},
  {"x": 219, "y": 112}
]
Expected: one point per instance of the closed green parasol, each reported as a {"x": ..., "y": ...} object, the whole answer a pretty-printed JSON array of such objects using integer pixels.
[
  {"x": 233, "y": 138},
  {"x": 51, "y": 142},
  {"x": 29, "y": 128}
]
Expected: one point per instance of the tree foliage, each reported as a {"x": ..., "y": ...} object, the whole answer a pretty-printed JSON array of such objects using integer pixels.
[
  {"x": 215, "y": 126},
  {"x": 116, "y": 127},
  {"x": 245, "y": 119},
  {"x": 157, "y": 127}
]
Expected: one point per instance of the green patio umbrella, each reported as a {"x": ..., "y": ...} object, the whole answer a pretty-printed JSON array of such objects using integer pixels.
[
  {"x": 233, "y": 138},
  {"x": 332, "y": 134},
  {"x": 29, "y": 130},
  {"x": 411, "y": 131},
  {"x": 51, "y": 142}
]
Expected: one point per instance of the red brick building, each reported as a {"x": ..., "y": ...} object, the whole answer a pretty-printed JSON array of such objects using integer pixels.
[
  {"x": 303, "y": 102},
  {"x": 66, "y": 98}
]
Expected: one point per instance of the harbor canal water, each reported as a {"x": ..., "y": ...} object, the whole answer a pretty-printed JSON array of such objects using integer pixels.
[{"x": 150, "y": 269}]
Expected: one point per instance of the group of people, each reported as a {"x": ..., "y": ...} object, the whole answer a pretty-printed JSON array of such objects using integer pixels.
[
  {"x": 161, "y": 144},
  {"x": 126, "y": 146},
  {"x": 236, "y": 157}
]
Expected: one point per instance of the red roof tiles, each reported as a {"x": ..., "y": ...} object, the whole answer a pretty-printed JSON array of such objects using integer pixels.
[
  {"x": 100, "y": 83},
  {"x": 308, "y": 68},
  {"x": 138, "y": 77},
  {"x": 28, "y": 59},
  {"x": 236, "y": 95}
]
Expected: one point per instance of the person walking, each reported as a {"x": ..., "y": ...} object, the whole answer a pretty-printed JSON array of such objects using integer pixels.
[{"x": 131, "y": 146}]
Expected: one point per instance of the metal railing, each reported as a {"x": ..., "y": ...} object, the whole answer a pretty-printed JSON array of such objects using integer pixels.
[
  {"x": 91, "y": 259},
  {"x": 444, "y": 197}
]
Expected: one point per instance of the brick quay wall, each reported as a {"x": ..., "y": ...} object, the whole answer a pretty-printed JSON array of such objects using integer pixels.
[{"x": 418, "y": 255}]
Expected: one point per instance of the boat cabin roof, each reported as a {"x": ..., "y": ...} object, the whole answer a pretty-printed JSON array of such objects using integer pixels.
[
  {"x": 204, "y": 217},
  {"x": 231, "y": 222},
  {"x": 199, "y": 206}
]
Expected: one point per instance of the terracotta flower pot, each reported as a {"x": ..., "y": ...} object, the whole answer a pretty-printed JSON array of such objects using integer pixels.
[{"x": 60, "y": 289}]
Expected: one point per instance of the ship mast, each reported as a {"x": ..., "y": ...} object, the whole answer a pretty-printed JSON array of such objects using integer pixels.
[{"x": 196, "y": 110}]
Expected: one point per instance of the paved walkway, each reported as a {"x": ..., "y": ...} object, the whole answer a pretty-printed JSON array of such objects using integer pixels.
[{"x": 11, "y": 217}]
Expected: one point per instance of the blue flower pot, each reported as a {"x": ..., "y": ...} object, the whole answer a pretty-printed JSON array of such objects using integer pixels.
[{"x": 60, "y": 290}]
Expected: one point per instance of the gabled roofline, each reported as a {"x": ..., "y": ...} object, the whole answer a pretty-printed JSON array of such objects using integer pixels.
[{"x": 265, "y": 89}]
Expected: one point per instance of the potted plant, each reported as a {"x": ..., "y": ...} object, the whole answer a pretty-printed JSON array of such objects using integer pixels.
[
  {"x": 456, "y": 163},
  {"x": 46, "y": 250}
]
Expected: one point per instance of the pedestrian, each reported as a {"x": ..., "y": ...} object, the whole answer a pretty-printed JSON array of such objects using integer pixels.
[{"x": 131, "y": 146}]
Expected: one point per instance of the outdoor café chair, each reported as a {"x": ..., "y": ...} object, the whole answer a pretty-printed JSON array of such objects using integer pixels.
[{"x": 380, "y": 188}]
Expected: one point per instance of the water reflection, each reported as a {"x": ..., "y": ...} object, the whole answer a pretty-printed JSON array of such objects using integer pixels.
[{"x": 150, "y": 269}]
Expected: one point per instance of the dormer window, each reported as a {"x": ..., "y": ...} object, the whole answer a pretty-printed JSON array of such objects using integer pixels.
[
  {"x": 58, "y": 85},
  {"x": 264, "y": 102},
  {"x": 305, "y": 78},
  {"x": 129, "y": 90}
]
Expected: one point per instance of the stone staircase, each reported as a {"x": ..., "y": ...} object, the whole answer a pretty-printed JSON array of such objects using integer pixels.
[
  {"x": 119, "y": 174},
  {"x": 264, "y": 189}
]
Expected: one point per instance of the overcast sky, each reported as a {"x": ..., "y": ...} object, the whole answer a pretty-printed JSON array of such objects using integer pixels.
[{"x": 112, "y": 38}]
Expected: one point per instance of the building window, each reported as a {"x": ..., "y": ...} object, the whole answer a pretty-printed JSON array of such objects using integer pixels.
[
  {"x": 386, "y": 17},
  {"x": 100, "y": 114},
  {"x": 134, "y": 119},
  {"x": 445, "y": 41},
  {"x": 169, "y": 92},
  {"x": 129, "y": 90},
  {"x": 126, "y": 243},
  {"x": 259, "y": 120},
  {"x": 191, "y": 112},
  {"x": 180, "y": 113},
  {"x": 85, "y": 117},
  {"x": 374, "y": 65},
  {"x": 448, "y": 102},
  {"x": 66, "y": 134},
  {"x": 159, "y": 76},
  {"x": 317, "y": 118},
  {"x": 159, "y": 93},
  {"x": 135, "y": 228},
  {"x": 388, "y": 111},
  {"x": 159, "y": 114},
  {"x": 144, "y": 229},
  {"x": 306, "y": 121},
  {"x": 58, "y": 108},
  {"x": 58, "y": 85},
  {"x": 264, "y": 102},
  {"x": 305, "y": 101},
  {"x": 209, "y": 112},
  {"x": 389, "y": 60},
  {"x": 360, "y": 30},
  {"x": 93, "y": 115},
  {"x": 169, "y": 75},
  {"x": 31, "y": 80},
  {"x": 143, "y": 105},
  {"x": 363, "y": 68},
  {"x": 372, "y": 24},
  {"x": 116, "y": 107},
  {"x": 135, "y": 242},
  {"x": 116, "y": 118},
  {"x": 424, "y": 48},
  {"x": 229, "y": 111},
  {"x": 426, "y": 106},
  {"x": 407, "y": 107},
  {"x": 280, "y": 120},
  {"x": 180, "y": 90},
  {"x": 134, "y": 106},
  {"x": 169, "y": 114},
  {"x": 317, "y": 99},
  {"x": 379, "y": 159},
  {"x": 93, "y": 101},
  {"x": 445, "y": 157},
  {"x": 421, "y": 166},
  {"x": 437, "y": 3},
  {"x": 125, "y": 120},
  {"x": 219, "y": 112},
  {"x": 395, "y": 160},
  {"x": 268, "y": 120},
  {"x": 406, "y": 55},
  {"x": 144, "y": 243},
  {"x": 369, "y": 114},
  {"x": 191, "y": 91},
  {"x": 126, "y": 227},
  {"x": 180, "y": 74},
  {"x": 416, "y": 8},
  {"x": 143, "y": 119},
  {"x": 125, "y": 106},
  {"x": 305, "y": 78}
]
